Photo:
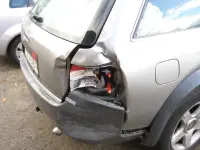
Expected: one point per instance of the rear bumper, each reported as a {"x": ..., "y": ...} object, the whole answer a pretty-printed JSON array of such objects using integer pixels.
[{"x": 81, "y": 116}]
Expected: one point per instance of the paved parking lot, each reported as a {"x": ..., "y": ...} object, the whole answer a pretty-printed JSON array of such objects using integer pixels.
[{"x": 23, "y": 128}]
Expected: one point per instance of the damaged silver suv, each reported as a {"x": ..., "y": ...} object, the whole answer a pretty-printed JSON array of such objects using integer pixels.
[{"x": 117, "y": 70}]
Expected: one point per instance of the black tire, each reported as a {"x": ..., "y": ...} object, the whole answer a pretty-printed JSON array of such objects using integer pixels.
[
  {"x": 13, "y": 48},
  {"x": 165, "y": 139}
]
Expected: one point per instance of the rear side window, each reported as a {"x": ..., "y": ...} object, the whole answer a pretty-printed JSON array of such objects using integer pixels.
[
  {"x": 167, "y": 16},
  {"x": 18, "y": 3}
]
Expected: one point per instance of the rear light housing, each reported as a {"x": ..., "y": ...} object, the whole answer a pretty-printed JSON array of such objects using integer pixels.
[
  {"x": 101, "y": 82},
  {"x": 81, "y": 77}
]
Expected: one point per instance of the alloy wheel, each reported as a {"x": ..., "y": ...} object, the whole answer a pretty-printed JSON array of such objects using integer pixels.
[
  {"x": 18, "y": 50},
  {"x": 187, "y": 131}
]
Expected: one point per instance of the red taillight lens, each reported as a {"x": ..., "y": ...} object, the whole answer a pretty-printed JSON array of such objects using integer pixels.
[
  {"x": 76, "y": 68},
  {"x": 34, "y": 56}
]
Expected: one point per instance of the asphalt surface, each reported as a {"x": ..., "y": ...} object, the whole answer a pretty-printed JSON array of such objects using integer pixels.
[{"x": 22, "y": 128}]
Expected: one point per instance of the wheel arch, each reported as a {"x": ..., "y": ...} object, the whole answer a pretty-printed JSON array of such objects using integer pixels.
[
  {"x": 169, "y": 107},
  {"x": 9, "y": 36},
  {"x": 11, "y": 42}
]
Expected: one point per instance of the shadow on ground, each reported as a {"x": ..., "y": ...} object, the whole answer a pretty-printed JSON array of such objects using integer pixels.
[{"x": 8, "y": 63}]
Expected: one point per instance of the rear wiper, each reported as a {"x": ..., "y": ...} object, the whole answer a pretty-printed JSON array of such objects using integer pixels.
[{"x": 36, "y": 17}]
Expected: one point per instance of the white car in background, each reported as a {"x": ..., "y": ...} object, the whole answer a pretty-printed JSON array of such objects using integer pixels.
[{"x": 11, "y": 14}]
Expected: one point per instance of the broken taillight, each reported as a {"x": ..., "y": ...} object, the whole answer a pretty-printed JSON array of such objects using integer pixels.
[
  {"x": 101, "y": 82},
  {"x": 99, "y": 78},
  {"x": 81, "y": 77},
  {"x": 76, "y": 68}
]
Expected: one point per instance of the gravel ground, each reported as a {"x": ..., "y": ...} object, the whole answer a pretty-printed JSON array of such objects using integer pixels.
[{"x": 21, "y": 127}]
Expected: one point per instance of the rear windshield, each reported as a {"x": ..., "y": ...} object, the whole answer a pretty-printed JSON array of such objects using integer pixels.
[{"x": 73, "y": 19}]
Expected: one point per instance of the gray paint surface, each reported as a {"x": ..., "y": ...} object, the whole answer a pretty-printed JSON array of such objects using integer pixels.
[
  {"x": 137, "y": 58},
  {"x": 167, "y": 71}
]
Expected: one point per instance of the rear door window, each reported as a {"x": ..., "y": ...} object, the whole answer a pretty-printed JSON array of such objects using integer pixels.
[
  {"x": 167, "y": 16},
  {"x": 18, "y": 3}
]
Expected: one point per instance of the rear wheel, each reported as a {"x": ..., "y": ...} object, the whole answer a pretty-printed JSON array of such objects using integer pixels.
[
  {"x": 183, "y": 129},
  {"x": 15, "y": 49}
]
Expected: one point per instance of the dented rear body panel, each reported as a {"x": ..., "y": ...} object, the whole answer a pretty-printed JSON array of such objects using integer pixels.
[
  {"x": 101, "y": 118},
  {"x": 81, "y": 116},
  {"x": 87, "y": 116},
  {"x": 138, "y": 89}
]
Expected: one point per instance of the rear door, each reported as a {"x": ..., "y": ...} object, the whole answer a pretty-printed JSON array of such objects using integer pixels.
[
  {"x": 3, "y": 11},
  {"x": 18, "y": 9}
]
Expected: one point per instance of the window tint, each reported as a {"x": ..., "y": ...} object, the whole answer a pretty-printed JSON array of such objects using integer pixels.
[
  {"x": 169, "y": 16},
  {"x": 18, "y": 3}
]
